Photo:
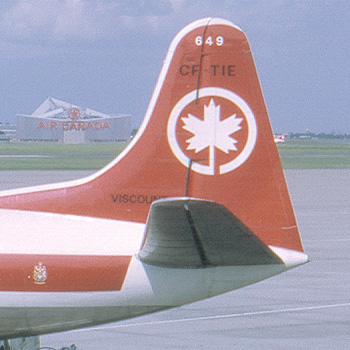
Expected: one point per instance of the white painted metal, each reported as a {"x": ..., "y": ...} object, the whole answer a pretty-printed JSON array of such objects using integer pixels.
[
  {"x": 146, "y": 288},
  {"x": 26, "y": 232}
]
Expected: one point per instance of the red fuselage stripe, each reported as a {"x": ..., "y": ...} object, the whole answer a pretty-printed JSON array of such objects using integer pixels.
[{"x": 62, "y": 273}]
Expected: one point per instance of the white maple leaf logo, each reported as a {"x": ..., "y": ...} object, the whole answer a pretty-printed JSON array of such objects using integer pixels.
[{"x": 211, "y": 131}]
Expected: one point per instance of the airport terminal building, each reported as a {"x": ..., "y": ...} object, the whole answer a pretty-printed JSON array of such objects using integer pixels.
[{"x": 59, "y": 121}]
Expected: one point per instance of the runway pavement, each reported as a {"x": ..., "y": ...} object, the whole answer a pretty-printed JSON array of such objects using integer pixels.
[{"x": 305, "y": 308}]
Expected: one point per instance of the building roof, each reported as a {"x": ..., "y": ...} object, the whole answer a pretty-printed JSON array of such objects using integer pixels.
[{"x": 53, "y": 108}]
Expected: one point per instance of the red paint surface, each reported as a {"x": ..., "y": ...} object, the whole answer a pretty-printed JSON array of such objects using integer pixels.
[
  {"x": 256, "y": 192},
  {"x": 64, "y": 273}
]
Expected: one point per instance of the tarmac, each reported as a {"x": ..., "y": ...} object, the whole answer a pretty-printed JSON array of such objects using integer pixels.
[{"x": 304, "y": 308}]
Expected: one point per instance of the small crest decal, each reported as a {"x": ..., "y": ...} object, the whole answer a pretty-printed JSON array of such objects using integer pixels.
[{"x": 39, "y": 274}]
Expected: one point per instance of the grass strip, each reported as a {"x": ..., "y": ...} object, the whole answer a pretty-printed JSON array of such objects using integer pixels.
[{"x": 295, "y": 154}]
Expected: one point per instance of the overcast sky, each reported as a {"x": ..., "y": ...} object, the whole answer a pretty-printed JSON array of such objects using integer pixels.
[{"x": 106, "y": 55}]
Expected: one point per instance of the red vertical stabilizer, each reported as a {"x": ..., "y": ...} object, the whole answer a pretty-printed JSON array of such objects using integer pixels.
[{"x": 206, "y": 134}]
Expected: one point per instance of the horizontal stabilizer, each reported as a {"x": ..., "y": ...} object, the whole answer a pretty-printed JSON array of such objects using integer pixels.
[{"x": 192, "y": 233}]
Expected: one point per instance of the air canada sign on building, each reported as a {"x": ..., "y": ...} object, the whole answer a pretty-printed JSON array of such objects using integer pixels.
[
  {"x": 59, "y": 121},
  {"x": 74, "y": 114},
  {"x": 67, "y": 125}
]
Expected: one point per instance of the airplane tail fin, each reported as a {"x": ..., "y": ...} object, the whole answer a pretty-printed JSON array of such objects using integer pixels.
[{"x": 206, "y": 135}]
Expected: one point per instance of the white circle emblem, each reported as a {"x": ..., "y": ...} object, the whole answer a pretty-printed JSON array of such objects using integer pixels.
[{"x": 212, "y": 132}]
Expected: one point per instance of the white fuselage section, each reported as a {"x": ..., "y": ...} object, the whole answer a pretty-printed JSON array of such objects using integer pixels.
[{"x": 145, "y": 288}]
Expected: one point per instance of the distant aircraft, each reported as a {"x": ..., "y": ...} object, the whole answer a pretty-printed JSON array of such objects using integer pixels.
[
  {"x": 195, "y": 206},
  {"x": 280, "y": 138}
]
